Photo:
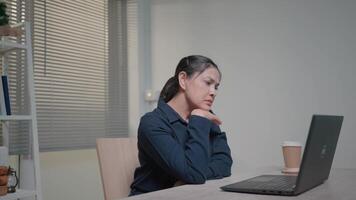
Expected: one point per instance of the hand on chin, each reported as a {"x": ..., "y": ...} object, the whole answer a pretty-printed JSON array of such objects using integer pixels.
[{"x": 205, "y": 107}]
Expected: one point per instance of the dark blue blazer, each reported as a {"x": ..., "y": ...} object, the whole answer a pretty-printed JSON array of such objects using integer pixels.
[{"x": 170, "y": 149}]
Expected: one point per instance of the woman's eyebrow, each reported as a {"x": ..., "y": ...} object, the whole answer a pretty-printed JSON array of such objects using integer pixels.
[{"x": 211, "y": 79}]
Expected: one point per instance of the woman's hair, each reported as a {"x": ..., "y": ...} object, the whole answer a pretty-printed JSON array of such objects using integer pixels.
[{"x": 190, "y": 65}]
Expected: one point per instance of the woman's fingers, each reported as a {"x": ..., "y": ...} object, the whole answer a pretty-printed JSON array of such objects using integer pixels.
[
  {"x": 208, "y": 115},
  {"x": 215, "y": 119}
]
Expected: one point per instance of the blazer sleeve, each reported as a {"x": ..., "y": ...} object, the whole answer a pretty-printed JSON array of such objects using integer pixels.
[
  {"x": 187, "y": 164},
  {"x": 220, "y": 159}
]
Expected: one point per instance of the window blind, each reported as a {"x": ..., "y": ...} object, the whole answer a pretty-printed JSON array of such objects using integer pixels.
[
  {"x": 81, "y": 89},
  {"x": 80, "y": 69}
]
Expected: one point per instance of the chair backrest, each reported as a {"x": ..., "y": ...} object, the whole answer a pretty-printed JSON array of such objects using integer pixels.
[{"x": 118, "y": 158}]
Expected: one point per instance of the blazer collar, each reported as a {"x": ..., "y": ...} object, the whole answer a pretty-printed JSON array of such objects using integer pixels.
[{"x": 171, "y": 114}]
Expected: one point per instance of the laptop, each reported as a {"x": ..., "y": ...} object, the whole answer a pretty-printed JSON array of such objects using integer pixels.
[{"x": 315, "y": 167}]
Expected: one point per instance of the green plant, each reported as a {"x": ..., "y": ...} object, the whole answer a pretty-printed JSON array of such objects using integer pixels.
[{"x": 4, "y": 18}]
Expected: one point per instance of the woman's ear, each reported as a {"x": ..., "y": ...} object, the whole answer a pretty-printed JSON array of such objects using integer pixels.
[{"x": 182, "y": 78}]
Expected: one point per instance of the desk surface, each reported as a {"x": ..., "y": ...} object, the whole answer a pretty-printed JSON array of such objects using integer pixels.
[{"x": 340, "y": 186}]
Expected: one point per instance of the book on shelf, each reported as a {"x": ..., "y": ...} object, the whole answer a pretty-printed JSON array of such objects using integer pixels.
[
  {"x": 5, "y": 101},
  {"x": 2, "y": 100}
]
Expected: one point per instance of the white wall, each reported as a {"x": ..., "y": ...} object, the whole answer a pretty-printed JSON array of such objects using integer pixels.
[
  {"x": 71, "y": 175},
  {"x": 281, "y": 60}
]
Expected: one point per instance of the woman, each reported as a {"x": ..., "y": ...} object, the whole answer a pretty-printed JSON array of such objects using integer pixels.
[{"x": 180, "y": 141}]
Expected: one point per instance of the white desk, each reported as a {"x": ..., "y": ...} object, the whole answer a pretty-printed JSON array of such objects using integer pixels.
[{"x": 341, "y": 185}]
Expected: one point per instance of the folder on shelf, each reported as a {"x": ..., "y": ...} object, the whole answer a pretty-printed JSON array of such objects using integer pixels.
[
  {"x": 6, "y": 97},
  {"x": 2, "y": 100}
]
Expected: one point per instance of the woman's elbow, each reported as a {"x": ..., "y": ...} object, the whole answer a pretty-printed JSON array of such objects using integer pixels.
[
  {"x": 198, "y": 178},
  {"x": 226, "y": 172},
  {"x": 226, "y": 169}
]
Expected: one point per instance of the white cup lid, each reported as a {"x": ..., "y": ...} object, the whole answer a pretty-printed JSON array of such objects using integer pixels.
[{"x": 292, "y": 143}]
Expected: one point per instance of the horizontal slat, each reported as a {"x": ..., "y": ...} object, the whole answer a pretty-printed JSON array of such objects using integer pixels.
[
  {"x": 15, "y": 117},
  {"x": 83, "y": 54},
  {"x": 85, "y": 42},
  {"x": 73, "y": 66}
]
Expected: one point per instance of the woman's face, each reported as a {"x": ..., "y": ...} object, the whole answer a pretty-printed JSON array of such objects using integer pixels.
[{"x": 201, "y": 88}]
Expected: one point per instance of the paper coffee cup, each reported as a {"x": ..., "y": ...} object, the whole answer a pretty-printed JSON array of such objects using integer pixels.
[{"x": 292, "y": 156}]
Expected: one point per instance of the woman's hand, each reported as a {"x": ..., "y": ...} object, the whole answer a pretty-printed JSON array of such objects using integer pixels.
[{"x": 206, "y": 114}]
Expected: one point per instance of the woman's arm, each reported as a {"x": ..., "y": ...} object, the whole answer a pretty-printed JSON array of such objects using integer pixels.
[
  {"x": 220, "y": 160},
  {"x": 188, "y": 164}
]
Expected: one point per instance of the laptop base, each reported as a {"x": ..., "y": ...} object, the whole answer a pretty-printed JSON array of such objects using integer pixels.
[{"x": 265, "y": 184}]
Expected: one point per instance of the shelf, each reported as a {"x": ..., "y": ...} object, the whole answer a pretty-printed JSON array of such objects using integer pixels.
[
  {"x": 8, "y": 46},
  {"x": 12, "y": 31},
  {"x": 19, "y": 194},
  {"x": 29, "y": 171},
  {"x": 15, "y": 117}
]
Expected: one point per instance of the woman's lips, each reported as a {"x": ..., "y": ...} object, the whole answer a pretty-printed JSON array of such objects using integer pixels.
[{"x": 210, "y": 102}]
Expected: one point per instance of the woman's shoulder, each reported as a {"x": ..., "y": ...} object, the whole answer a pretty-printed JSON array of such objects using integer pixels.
[
  {"x": 154, "y": 117},
  {"x": 151, "y": 123}
]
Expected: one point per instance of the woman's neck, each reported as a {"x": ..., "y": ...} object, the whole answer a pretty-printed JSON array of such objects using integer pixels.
[{"x": 180, "y": 105}]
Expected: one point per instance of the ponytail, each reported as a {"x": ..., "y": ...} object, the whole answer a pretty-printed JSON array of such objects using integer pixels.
[{"x": 170, "y": 89}]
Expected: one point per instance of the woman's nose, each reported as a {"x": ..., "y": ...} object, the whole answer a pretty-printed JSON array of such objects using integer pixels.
[{"x": 212, "y": 91}]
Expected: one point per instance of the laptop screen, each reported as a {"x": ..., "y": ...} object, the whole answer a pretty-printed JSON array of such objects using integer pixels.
[{"x": 319, "y": 151}]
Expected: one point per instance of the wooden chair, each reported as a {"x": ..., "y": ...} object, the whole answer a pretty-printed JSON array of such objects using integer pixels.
[{"x": 118, "y": 159}]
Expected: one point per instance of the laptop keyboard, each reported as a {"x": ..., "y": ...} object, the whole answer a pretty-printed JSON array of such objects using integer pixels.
[{"x": 279, "y": 183}]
